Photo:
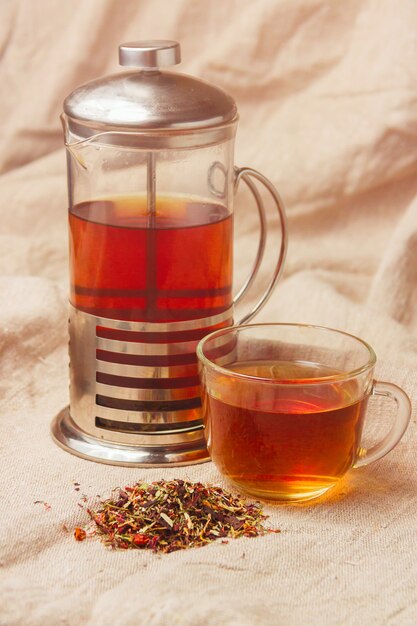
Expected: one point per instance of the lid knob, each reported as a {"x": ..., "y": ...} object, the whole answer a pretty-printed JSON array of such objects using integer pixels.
[{"x": 150, "y": 54}]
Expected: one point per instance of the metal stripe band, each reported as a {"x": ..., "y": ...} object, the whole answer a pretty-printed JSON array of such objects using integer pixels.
[
  {"x": 113, "y": 345},
  {"x": 143, "y": 371},
  {"x": 126, "y": 393},
  {"x": 159, "y": 338},
  {"x": 151, "y": 439},
  {"x": 149, "y": 429},
  {"x": 144, "y": 417},
  {"x": 153, "y": 360},
  {"x": 148, "y": 405},
  {"x": 147, "y": 383},
  {"x": 194, "y": 324},
  {"x": 163, "y": 312},
  {"x": 162, "y": 349}
]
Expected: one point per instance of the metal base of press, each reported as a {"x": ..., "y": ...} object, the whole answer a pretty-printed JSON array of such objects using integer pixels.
[{"x": 71, "y": 438}]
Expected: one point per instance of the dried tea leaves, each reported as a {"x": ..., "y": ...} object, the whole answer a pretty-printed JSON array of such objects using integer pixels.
[{"x": 172, "y": 515}]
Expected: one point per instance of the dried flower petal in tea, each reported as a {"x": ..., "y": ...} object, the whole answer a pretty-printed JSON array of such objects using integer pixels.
[
  {"x": 173, "y": 515},
  {"x": 80, "y": 534}
]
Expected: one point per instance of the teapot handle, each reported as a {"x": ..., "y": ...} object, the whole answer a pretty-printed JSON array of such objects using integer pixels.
[{"x": 247, "y": 174}]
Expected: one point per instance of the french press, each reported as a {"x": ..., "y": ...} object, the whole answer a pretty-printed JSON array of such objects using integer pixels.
[{"x": 151, "y": 182}]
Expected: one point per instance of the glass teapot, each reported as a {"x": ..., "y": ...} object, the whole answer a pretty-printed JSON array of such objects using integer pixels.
[{"x": 151, "y": 182}]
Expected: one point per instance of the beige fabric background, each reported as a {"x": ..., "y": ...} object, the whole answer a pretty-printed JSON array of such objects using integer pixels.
[{"x": 327, "y": 92}]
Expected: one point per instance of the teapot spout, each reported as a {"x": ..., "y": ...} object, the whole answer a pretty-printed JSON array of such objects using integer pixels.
[{"x": 73, "y": 146}]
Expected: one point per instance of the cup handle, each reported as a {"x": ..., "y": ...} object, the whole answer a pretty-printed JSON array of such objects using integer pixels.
[
  {"x": 247, "y": 174},
  {"x": 387, "y": 390}
]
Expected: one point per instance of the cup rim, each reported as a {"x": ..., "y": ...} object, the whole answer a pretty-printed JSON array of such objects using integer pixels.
[{"x": 312, "y": 381}]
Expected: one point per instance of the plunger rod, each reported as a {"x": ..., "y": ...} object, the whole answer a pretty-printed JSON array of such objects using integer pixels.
[
  {"x": 151, "y": 286},
  {"x": 151, "y": 190}
]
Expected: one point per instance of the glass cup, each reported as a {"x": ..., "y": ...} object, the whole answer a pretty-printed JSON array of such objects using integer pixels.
[{"x": 284, "y": 407}]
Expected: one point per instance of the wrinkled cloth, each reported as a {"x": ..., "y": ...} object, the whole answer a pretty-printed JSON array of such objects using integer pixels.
[{"x": 327, "y": 97}]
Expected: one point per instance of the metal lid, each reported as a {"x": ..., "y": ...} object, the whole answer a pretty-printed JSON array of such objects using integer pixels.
[
  {"x": 148, "y": 99},
  {"x": 150, "y": 54}
]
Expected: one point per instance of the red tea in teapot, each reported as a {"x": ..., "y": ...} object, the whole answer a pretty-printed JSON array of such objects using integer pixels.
[
  {"x": 175, "y": 264},
  {"x": 151, "y": 182}
]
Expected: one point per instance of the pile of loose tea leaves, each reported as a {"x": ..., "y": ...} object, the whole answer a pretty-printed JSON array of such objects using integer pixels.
[{"x": 172, "y": 515}]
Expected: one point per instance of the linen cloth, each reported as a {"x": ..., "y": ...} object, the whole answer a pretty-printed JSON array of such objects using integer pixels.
[{"x": 327, "y": 95}]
